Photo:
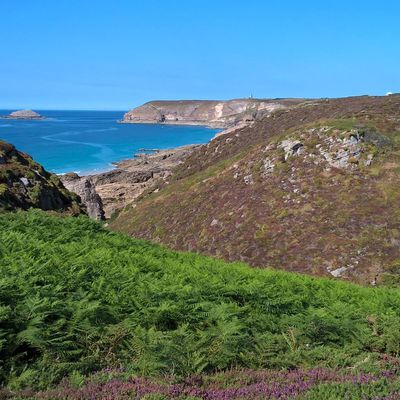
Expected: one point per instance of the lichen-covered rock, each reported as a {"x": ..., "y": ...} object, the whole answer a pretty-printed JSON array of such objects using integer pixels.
[
  {"x": 24, "y": 184},
  {"x": 291, "y": 147},
  {"x": 327, "y": 146}
]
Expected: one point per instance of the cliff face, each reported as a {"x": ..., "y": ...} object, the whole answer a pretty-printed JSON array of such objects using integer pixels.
[
  {"x": 313, "y": 188},
  {"x": 25, "y": 184},
  {"x": 220, "y": 114},
  {"x": 85, "y": 189}
]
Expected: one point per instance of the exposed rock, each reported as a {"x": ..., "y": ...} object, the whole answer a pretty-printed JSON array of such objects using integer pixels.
[
  {"x": 369, "y": 159},
  {"x": 290, "y": 147},
  {"x": 132, "y": 177},
  {"x": 221, "y": 114},
  {"x": 337, "y": 148},
  {"x": 24, "y": 114},
  {"x": 268, "y": 166},
  {"x": 248, "y": 179},
  {"x": 338, "y": 272},
  {"x": 25, "y": 184},
  {"x": 85, "y": 189},
  {"x": 25, "y": 181}
]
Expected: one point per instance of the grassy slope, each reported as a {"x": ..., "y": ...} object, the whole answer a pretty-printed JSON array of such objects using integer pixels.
[
  {"x": 75, "y": 297},
  {"x": 340, "y": 218}
]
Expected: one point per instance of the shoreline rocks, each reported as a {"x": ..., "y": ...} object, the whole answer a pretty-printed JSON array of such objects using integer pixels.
[{"x": 107, "y": 192}]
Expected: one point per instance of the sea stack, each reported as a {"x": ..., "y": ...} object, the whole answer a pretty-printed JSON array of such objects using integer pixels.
[{"x": 25, "y": 114}]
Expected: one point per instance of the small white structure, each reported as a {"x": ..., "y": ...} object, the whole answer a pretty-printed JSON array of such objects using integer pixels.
[{"x": 389, "y": 93}]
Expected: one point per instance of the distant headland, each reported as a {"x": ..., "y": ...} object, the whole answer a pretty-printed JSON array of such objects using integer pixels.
[{"x": 213, "y": 113}]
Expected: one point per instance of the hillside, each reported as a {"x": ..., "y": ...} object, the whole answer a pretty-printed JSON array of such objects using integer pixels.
[
  {"x": 215, "y": 113},
  {"x": 313, "y": 188},
  {"x": 24, "y": 184},
  {"x": 76, "y": 298}
]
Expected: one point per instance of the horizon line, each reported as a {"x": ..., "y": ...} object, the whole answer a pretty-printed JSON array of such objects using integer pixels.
[
  {"x": 193, "y": 99},
  {"x": 60, "y": 109}
]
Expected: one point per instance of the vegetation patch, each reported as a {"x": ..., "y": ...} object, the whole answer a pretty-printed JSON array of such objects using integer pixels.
[
  {"x": 24, "y": 184},
  {"x": 76, "y": 298},
  {"x": 237, "y": 384},
  {"x": 301, "y": 201}
]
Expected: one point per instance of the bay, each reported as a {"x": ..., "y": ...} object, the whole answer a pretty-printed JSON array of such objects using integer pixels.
[{"x": 89, "y": 142}]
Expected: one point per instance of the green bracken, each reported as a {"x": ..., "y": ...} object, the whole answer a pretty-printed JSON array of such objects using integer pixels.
[
  {"x": 75, "y": 298},
  {"x": 3, "y": 188}
]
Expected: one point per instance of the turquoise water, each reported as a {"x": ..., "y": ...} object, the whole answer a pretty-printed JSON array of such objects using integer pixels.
[{"x": 90, "y": 141}]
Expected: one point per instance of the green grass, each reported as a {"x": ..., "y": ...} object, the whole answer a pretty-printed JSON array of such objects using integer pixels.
[{"x": 76, "y": 297}]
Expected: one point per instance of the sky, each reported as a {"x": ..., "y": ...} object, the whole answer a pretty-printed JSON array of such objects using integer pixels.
[{"x": 117, "y": 54}]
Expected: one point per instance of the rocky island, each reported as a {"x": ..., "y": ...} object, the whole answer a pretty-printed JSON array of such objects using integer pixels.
[
  {"x": 212, "y": 113},
  {"x": 23, "y": 114}
]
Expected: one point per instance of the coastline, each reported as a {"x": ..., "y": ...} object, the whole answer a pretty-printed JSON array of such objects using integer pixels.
[
  {"x": 211, "y": 125},
  {"x": 125, "y": 180},
  {"x": 22, "y": 118},
  {"x": 131, "y": 177}
]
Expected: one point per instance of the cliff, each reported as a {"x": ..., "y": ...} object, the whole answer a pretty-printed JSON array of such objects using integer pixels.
[
  {"x": 214, "y": 113},
  {"x": 24, "y": 184},
  {"x": 313, "y": 188},
  {"x": 83, "y": 186}
]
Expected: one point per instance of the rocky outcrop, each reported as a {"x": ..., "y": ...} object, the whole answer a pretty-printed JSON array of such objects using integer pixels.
[
  {"x": 132, "y": 177},
  {"x": 23, "y": 114},
  {"x": 213, "y": 113},
  {"x": 334, "y": 148},
  {"x": 85, "y": 189},
  {"x": 24, "y": 184}
]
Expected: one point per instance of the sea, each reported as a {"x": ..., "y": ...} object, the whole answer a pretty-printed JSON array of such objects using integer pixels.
[{"x": 89, "y": 142}]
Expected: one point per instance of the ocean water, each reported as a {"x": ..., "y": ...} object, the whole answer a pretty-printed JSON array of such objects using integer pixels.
[{"x": 90, "y": 141}]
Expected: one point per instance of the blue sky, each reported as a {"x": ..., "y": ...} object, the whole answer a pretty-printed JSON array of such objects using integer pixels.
[{"x": 116, "y": 54}]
